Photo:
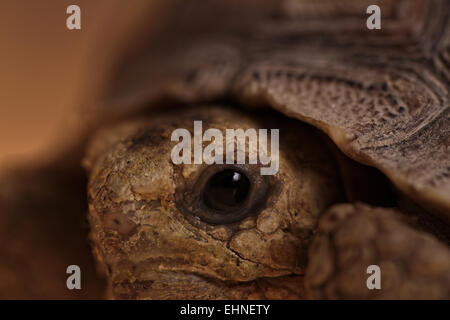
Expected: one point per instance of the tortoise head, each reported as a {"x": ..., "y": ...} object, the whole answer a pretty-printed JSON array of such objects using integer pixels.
[
  {"x": 199, "y": 230},
  {"x": 225, "y": 230}
]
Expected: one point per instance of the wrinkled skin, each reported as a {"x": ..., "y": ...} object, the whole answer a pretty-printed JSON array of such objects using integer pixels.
[
  {"x": 414, "y": 265},
  {"x": 152, "y": 244},
  {"x": 149, "y": 244},
  {"x": 150, "y": 239},
  {"x": 381, "y": 96}
]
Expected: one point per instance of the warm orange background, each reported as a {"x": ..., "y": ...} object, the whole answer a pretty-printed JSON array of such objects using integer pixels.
[{"x": 46, "y": 70}]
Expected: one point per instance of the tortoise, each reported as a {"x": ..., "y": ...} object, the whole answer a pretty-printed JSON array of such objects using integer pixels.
[{"x": 363, "y": 177}]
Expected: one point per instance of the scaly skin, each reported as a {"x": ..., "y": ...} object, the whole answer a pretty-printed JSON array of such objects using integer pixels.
[
  {"x": 149, "y": 246},
  {"x": 382, "y": 97},
  {"x": 413, "y": 264},
  {"x": 153, "y": 246}
]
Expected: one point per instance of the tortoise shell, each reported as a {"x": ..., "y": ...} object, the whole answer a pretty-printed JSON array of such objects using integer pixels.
[{"x": 381, "y": 95}]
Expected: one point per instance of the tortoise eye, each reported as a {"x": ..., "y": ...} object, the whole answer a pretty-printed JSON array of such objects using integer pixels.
[
  {"x": 226, "y": 190},
  {"x": 225, "y": 194}
]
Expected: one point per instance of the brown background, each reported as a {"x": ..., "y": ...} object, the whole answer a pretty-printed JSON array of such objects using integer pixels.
[{"x": 47, "y": 70}]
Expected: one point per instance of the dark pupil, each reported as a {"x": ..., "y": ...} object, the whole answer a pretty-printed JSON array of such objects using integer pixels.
[{"x": 226, "y": 189}]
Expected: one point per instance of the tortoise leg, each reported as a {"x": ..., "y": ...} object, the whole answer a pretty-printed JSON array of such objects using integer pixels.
[
  {"x": 351, "y": 237},
  {"x": 43, "y": 231}
]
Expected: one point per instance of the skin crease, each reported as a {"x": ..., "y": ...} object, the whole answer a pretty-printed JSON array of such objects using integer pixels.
[
  {"x": 150, "y": 243},
  {"x": 382, "y": 98}
]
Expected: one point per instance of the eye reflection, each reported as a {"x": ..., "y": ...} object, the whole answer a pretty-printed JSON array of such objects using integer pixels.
[
  {"x": 224, "y": 194},
  {"x": 226, "y": 190}
]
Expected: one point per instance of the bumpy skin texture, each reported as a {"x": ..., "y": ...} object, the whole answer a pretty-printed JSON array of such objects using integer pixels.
[
  {"x": 153, "y": 245},
  {"x": 381, "y": 95},
  {"x": 413, "y": 264}
]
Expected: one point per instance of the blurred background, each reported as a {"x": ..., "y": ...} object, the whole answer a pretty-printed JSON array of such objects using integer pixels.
[{"x": 48, "y": 70}]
